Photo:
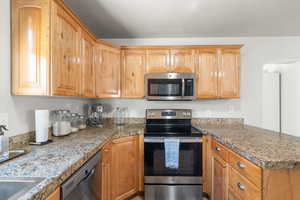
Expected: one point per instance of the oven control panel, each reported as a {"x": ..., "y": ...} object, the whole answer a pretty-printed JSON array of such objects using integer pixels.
[{"x": 168, "y": 114}]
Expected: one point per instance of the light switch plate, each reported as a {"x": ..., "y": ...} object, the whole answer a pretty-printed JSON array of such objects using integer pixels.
[{"x": 4, "y": 119}]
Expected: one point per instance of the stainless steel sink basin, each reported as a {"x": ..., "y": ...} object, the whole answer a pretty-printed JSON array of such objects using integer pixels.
[{"x": 13, "y": 188}]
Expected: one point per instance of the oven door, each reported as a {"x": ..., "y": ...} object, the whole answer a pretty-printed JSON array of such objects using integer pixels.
[{"x": 190, "y": 162}]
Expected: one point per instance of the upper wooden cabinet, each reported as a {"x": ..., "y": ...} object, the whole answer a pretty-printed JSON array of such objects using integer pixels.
[
  {"x": 182, "y": 61},
  {"x": 107, "y": 67},
  {"x": 229, "y": 73},
  {"x": 87, "y": 61},
  {"x": 218, "y": 72},
  {"x": 133, "y": 71},
  {"x": 30, "y": 47},
  {"x": 52, "y": 52},
  {"x": 158, "y": 61},
  {"x": 65, "y": 50},
  {"x": 207, "y": 73}
]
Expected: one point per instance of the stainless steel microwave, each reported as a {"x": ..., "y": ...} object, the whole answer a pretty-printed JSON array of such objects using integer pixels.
[{"x": 170, "y": 87}]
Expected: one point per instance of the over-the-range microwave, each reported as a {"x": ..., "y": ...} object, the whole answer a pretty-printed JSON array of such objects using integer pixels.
[{"x": 170, "y": 86}]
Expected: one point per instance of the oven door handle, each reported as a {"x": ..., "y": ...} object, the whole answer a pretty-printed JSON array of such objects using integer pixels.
[{"x": 181, "y": 140}]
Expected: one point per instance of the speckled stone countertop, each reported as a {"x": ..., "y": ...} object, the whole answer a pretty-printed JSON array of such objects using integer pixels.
[
  {"x": 267, "y": 149},
  {"x": 59, "y": 160}
]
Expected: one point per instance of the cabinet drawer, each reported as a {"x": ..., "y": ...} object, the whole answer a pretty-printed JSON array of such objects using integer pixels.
[
  {"x": 220, "y": 150},
  {"x": 243, "y": 188},
  {"x": 246, "y": 168}
]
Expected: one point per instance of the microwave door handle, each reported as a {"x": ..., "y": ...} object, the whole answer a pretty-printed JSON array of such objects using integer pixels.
[{"x": 183, "y": 87}]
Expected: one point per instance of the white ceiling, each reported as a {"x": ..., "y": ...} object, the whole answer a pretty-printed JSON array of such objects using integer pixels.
[{"x": 189, "y": 18}]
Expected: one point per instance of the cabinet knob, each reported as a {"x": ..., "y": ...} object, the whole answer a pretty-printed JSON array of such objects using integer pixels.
[
  {"x": 241, "y": 165},
  {"x": 218, "y": 149},
  {"x": 241, "y": 186}
]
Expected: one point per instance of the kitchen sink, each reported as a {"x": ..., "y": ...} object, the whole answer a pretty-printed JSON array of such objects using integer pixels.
[{"x": 13, "y": 188}]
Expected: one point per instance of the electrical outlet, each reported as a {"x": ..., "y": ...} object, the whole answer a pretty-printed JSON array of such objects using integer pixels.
[{"x": 4, "y": 119}]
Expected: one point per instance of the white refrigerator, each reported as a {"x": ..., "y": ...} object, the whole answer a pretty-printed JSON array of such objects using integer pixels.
[{"x": 286, "y": 75}]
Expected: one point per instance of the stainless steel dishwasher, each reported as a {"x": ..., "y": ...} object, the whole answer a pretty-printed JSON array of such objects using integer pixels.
[{"x": 80, "y": 185}]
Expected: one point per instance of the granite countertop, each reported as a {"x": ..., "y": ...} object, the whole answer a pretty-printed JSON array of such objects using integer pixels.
[
  {"x": 59, "y": 160},
  {"x": 267, "y": 149}
]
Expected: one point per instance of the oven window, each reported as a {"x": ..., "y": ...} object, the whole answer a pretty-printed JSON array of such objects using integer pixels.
[
  {"x": 190, "y": 160},
  {"x": 164, "y": 87}
]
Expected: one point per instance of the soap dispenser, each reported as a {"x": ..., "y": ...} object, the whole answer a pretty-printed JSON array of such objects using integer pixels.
[{"x": 4, "y": 142}]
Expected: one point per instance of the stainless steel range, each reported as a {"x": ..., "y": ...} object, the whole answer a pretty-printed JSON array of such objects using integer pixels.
[{"x": 184, "y": 181}]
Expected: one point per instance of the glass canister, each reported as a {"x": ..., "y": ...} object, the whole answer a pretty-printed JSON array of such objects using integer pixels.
[
  {"x": 61, "y": 123},
  {"x": 74, "y": 122},
  {"x": 119, "y": 116},
  {"x": 82, "y": 122}
]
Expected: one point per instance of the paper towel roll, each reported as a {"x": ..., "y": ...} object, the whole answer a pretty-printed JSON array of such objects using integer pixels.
[{"x": 41, "y": 125}]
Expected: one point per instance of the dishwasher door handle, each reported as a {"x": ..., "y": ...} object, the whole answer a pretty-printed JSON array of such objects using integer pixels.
[{"x": 88, "y": 175}]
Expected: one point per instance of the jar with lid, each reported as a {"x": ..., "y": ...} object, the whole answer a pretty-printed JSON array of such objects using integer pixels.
[
  {"x": 61, "y": 123},
  {"x": 82, "y": 122},
  {"x": 119, "y": 116},
  {"x": 74, "y": 122}
]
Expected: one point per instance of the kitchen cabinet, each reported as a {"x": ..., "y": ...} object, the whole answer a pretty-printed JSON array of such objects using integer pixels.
[
  {"x": 133, "y": 71},
  {"x": 55, "y": 195},
  {"x": 124, "y": 167},
  {"x": 182, "y": 61},
  {"x": 206, "y": 155},
  {"x": 107, "y": 70},
  {"x": 119, "y": 170},
  {"x": 219, "y": 178},
  {"x": 218, "y": 72},
  {"x": 52, "y": 52},
  {"x": 158, "y": 61},
  {"x": 207, "y": 73},
  {"x": 87, "y": 66},
  {"x": 106, "y": 172},
  {"x": 229, "y": 73},
  {"x": 65, "y": 50},
  {"x": 30, "y": 47}
]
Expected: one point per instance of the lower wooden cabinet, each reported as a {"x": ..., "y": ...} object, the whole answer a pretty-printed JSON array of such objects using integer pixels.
[
  {"x": 119, "y": 169},
  {"x": 229, "y": 176},
  {"x": 219, "y": 178},
  {"x": 55, "y": 195}
]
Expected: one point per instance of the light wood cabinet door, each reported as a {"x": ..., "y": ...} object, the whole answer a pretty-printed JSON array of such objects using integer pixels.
[
  {"x": 182, "y": 61},
  {"x": 229, "y": 73},
  {"x": 66, "y": 68},
  {"x": 124, "y": 167},
  {"x": 219, "y": 179},
  {"x": 55, "y": 195},
  {"x": 207, "y": 73},
  {"x": 106, "y": 173},
  {"x": 158, "y": 61},
  {"x": 133, "y": 71},
  {"x": 107, "y": 67},
  {"x": 87, "y": 61},
  {"x": 30, "y": 47},
  {"x": 207, "y": 157}
]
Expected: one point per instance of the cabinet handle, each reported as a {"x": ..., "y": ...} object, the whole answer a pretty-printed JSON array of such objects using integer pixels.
[
  {"x": 115, "y": 142},
  {"x": 107, "y": 150},
  {"x": 241, "y": 165},
  {"x": 218, "y": 149},
  {"x": 241, "y": 186}
]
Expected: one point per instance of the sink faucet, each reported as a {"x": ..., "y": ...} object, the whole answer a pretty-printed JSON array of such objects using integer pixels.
[{"x": 2, "y": 129}]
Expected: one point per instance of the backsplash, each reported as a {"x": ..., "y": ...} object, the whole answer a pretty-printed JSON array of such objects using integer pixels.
[
  {"x": 22, "y": 140},
  {"x": 220, "y": 108}
]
